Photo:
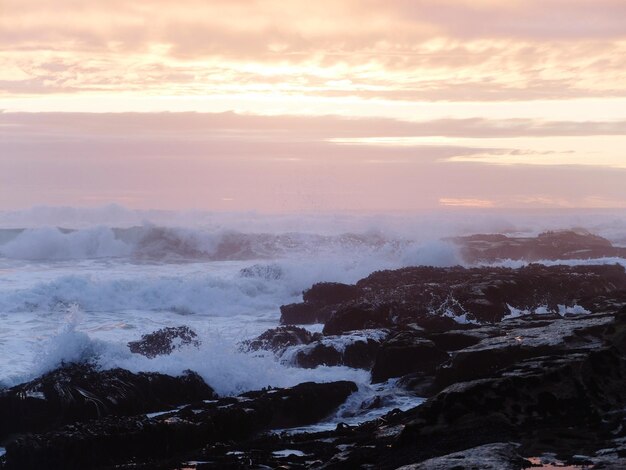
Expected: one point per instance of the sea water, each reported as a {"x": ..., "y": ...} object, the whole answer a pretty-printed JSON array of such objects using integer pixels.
[{"x": 82, "y": 292}]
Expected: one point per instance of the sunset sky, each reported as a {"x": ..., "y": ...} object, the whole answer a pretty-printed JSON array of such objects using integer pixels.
[{"x": 327, "y": 105}]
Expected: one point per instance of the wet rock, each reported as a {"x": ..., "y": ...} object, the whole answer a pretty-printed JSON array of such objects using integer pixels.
[
  {"x": 525, "y": 338},
  {"x": 546, "y": 246},
  {"x": 318, "y": 303},
  {"x": 79, "y": 392},
  {"x": 498, "y": 456},
  {"x": 319, "y": 354},
  {"x": 563, "y": 392},
  {"x": 357, "y": 350},
  {"x": 329, "y": 293},
  {"x": 305, "y": 313},
  {"x": 279, "y": 339},
  {"x": 453, "y": 340},
  {"x": 440, "y": 299},
  {"x": 111, "y": 440},
  {"x": 164, "y": 341},
  {"x": 568, "y": 400},
  {"x": 361, "y": 317},
  {"x": 404, "y": 353}
]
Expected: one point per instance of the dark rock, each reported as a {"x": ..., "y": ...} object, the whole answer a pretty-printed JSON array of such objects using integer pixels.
[
  {"x": 420, "y": 383},
  {"x": 564, "y": 395},
  {"x": 522, "y": 339},
  {"x": 278, "y": 339},
  {"x": 498, "y": 456},
  {"x": 568, "y": 399},
  {"x": 164, "y": 341},
  {"x": 546, "y": 246},
  {"x": 330, "y": 293},
  {"x": 318, "y": 354},
  {"x": 453, "y": 340},
  {"x": 439, "y": 299},
  {"x": 304, "y": 313},
  {"x": 78, "y": 392},
  {"x": 404, "y": 353},
  {"x": 357, "y": 350},
  {"x": 111, "y": 440},
  {"x": 361, "y": 317},
  {"x": 318, "y": 303}
]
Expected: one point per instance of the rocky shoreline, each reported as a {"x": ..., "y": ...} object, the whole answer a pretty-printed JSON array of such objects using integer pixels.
[{"x": 516, "y": 365}]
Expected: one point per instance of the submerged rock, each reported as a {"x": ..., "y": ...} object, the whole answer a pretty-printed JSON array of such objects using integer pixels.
[
  {"x": 164, "y": 341},
  {"x": 79, "y": 392}
]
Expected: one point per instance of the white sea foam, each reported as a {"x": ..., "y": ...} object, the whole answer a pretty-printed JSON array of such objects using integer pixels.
[
  {"x": 369, "y": 402},
  {"x": 218, "y": 359},
  {"x": 509, "y": 263},
  {"x": 51, "y": 243}
]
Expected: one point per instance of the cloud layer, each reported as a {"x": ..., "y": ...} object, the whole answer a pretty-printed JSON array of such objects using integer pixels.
[
  {"x": 402, "y": 50},
  {"x": 228, "y": 161}
]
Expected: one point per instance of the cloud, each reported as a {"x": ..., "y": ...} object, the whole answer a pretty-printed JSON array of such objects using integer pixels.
[
  {"x": 401, "y": 50},
  {"x": 230, "y": 125},
  {"x": 282, "y": 163}
]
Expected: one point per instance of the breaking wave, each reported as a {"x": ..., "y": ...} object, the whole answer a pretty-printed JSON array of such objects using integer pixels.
[{"x": 166, "y": 243}]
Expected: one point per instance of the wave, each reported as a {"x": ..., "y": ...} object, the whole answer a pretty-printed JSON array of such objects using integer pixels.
[
  {"x": 51, "y": 243},
  {"x": 203, "y": 294},
  {"x": 218, "y": 359},
  {"x": 166, "y": 243},
  {"x": 216, "y": 289}
]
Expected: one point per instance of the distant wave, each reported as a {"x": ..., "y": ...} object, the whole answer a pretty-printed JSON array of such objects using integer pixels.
[{"x": 164, "y": 243}]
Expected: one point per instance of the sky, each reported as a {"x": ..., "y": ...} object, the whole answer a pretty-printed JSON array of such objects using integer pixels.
[{"x": 333, "y": 105}]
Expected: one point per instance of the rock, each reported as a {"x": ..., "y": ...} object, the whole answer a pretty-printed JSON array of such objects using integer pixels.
[
  {"x": 498, "y": 456},
  {"x": 112, "y": 440},
  {"x": 318, "y": 303},
  {"x": 404, "y": 353},
  {"x": 568, "y": 400},
  {"x": 318, "y": 354},
  {"x": 330, "y": 293},
  {"x": 79, "y": 392},
  {"x": 546, "y": 246},
  {"x": 304, "y": 313},
  {"x": 360, "y": 317},
  {"x": 164, "y": 341},
  {"x": 357, "y": 350},
  {"x": 525, "y": 338},
  {"x": 453, "y": 340},
  {"x": 279, "y": 339},
  {"x": 439, "y": 299}
]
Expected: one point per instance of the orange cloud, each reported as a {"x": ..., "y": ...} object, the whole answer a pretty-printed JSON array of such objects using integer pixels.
[{"x": 401, "y": 50}]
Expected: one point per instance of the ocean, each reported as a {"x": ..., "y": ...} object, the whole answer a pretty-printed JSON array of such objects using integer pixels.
[{"x": 83, "y": 287}]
